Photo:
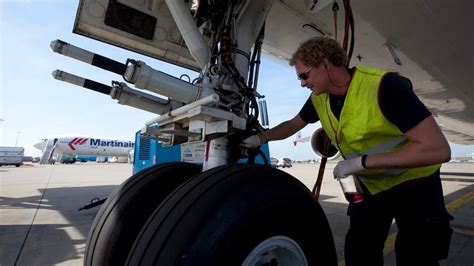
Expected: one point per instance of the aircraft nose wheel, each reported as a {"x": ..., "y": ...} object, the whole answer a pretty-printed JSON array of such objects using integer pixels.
[
  {"x": 234, "y": 214},
  {"x": 126, "y": 210},
  {"x": 276, "y": 251}
]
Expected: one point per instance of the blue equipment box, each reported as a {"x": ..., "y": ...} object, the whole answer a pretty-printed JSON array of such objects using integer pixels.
[{"x": 149, "y": 152}]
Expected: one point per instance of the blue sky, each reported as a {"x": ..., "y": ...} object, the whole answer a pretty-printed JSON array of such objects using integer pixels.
[{"x": 34, "y": 105}]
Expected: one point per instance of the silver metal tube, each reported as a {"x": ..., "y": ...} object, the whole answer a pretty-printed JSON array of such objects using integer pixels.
[
  {"x": 147, "y": 78},
  {"x": 265, "y": 121},
  {"x": 67, "y": 77},
  {"x": 140, "y": 100},
  {"x": 121, "y": 92},
  {"x": 82, "y": 82},
  {"x": 249, "y": 24},
  {"x": 85, "y": 56},
  {"x": 72, "y": 51},
  {"x": 190, "y": 32}
]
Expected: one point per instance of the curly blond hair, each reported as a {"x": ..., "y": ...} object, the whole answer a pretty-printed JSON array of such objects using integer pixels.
[{"x": 313, "y": 51}]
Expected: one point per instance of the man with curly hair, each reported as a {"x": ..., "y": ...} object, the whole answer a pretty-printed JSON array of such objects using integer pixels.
[{"x": 389, "y": 141}]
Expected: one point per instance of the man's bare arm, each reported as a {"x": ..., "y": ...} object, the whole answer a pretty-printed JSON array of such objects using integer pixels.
[
  {"x": 284, "y": 129},
  {"x": 428, "y": 146}
]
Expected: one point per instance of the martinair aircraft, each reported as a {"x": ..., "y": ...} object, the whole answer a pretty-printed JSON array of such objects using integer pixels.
[{"x": 75, "y": 145}]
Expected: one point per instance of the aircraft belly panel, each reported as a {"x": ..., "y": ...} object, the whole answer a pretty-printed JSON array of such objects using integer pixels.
[
  {"x": 156, "y": 33},
  {"x": 431, "y": 41},
  {"x": 288, "y": 25}
]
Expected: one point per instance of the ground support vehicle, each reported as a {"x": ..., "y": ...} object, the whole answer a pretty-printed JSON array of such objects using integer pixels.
[
  {"x": 11, "y": 156},
  {"x": 284, "y": 162}
]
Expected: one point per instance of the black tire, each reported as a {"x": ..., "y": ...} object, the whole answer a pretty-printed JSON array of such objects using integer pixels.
[
  {"x": 128, "y": 207},
  {"x": 220, "y": 216}
]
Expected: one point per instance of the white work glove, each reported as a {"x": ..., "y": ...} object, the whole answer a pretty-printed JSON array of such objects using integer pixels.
[
  {"x": 348, "y": 167},
  {"x": 251, "y": 142}
]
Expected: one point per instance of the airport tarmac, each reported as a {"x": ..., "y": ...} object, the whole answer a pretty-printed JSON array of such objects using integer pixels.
[{"x": 40, "y": 223}]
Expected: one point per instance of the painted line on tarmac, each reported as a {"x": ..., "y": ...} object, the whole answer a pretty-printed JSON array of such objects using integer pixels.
[
  {"x": 38, "y": 207},
  {"x": 452, "y": 206}
]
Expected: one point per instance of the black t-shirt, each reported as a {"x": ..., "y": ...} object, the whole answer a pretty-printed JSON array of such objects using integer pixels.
[{"x": 397, "y": 100}]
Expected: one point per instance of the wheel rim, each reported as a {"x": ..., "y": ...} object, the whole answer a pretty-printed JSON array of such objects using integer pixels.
[{"x": 276, "y": 250}]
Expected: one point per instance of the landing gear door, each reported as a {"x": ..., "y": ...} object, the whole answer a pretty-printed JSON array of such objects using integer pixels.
[{"x": 145, "y": 27}]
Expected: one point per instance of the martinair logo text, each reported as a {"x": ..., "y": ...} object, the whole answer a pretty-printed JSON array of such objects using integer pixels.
[
  {"x": 76, "y": 141},
  {"x": 100, "y": 143},
  {"x": 111, "y": 143}
]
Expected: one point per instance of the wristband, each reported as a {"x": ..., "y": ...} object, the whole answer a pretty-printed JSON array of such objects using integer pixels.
[{"x": 364, "y": 157}]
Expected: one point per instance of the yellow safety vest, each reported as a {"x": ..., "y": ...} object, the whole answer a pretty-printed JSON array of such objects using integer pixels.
[{"x": 363, "y": 129}]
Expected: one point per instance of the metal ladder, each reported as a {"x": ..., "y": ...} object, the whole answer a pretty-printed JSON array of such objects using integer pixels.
[{"x": 48, "y": 151}]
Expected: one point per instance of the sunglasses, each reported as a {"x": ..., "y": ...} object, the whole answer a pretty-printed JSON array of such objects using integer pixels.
[{"x": 304, "y": 75}]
